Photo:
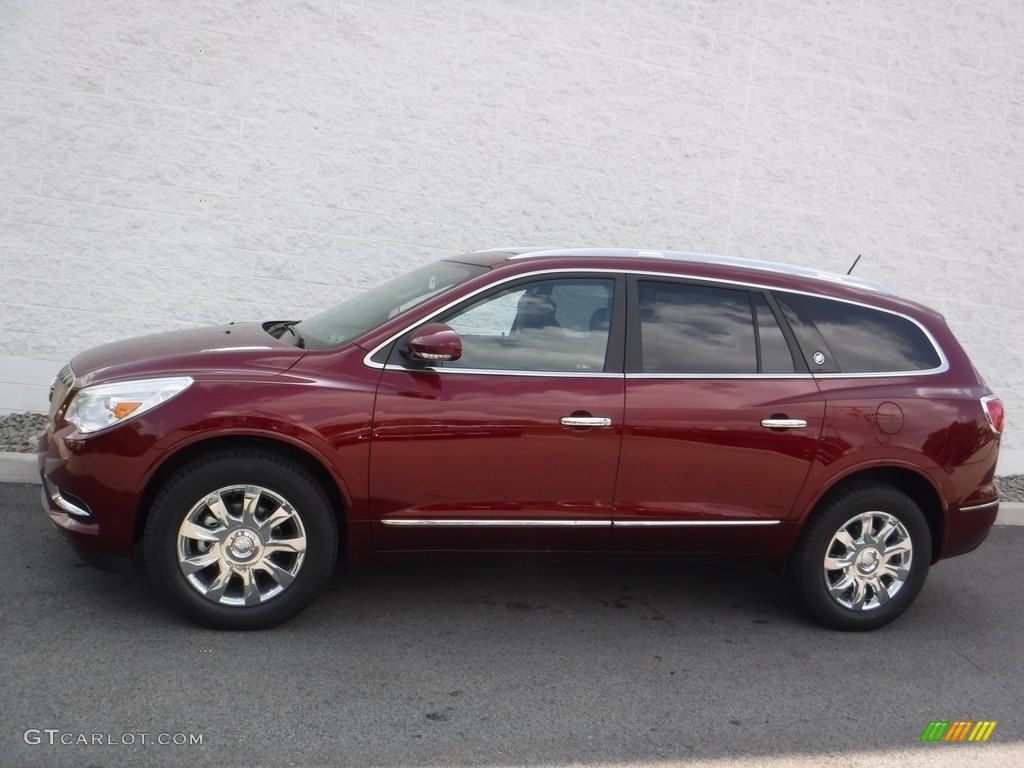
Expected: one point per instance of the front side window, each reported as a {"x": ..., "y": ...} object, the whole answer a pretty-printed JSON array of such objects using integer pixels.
[
  {"x": 696, "y": 329},
  {"x": 559, "y": 325},
  {"x": 857, "y": 339}
]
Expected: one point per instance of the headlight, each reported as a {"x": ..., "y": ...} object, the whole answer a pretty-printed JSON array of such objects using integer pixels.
[{"x": 102, "y": 405}]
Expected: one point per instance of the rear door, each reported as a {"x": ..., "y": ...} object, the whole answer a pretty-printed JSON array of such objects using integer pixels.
[{"x": 722, "y": 420}]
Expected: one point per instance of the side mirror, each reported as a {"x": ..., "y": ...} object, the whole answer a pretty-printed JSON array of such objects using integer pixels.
[{"x": 435, "y": 343}]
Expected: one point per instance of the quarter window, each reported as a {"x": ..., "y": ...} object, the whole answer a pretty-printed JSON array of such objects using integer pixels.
[{"x": 859, "y": 339}]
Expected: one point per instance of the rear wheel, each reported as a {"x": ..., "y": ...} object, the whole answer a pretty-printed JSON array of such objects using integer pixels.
[
  {"x": 862, "y": 558},
  {"x": 241, "y": 540}
]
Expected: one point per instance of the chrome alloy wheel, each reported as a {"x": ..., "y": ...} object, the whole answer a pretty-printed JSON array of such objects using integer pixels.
[
  {"x": 241, "y": 545},
  {"x": 868, "y": 561}
]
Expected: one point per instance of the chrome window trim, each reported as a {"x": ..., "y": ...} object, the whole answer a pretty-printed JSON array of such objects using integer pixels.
[
  {"x": 513, "y": 372},
  {"x": 979, "y": 507},
  {"x": 719, "y": 376},
  {"x": 887, "y": 374},
  {"x": 460, "y": 522},
  {"x": 941, "y": 368}
]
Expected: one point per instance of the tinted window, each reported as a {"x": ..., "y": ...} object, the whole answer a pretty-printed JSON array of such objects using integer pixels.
[
  {"x": 695, "y": 329},
  {"x": 776, "y": 356},
  {"x": 548, "y": 325},
  {"x": 860, "y": 339}
]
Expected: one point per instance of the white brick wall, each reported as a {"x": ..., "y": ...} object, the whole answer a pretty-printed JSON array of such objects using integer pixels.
[{"x": 340, "y": 142}]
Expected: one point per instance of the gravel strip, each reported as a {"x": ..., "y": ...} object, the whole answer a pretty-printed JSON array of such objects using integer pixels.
[
  {"x": 1011, "y": 487},
  {"x": 20, "y": 431}
]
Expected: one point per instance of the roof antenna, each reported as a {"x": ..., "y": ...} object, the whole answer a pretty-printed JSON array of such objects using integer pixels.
[{"x": 850, "y": 270}]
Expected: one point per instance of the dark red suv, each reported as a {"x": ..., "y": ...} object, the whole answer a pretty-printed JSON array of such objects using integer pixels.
[{"x": 588, "y": 401}]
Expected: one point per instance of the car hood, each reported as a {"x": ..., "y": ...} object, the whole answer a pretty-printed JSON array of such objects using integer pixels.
[{"x": 215, "y": 349}]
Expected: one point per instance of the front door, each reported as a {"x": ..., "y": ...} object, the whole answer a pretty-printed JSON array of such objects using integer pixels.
[{"x": 515, "y": 445}]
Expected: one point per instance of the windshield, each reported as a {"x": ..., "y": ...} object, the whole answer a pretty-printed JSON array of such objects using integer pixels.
[{"x": 353, "y": 318}]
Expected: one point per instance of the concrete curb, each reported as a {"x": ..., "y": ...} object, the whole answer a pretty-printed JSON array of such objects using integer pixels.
[
  {"x": 21, "y": 468},
  {"x": 1010, "y": 513},
  {"x": 18, "y": 468}
]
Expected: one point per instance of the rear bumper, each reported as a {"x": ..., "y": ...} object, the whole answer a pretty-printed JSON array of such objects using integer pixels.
[{"x": 968, "y": 527}]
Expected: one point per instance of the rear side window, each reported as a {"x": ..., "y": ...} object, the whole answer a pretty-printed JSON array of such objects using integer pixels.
[
  {"x": 775, "y": 355},
  {"x": 696, "y": 329},
  {"x": 836, "y": 336}
]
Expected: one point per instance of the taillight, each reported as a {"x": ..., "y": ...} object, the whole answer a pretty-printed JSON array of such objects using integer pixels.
[{"x": 996, "y": 413}]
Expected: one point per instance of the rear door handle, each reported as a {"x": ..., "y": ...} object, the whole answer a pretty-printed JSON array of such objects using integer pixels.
[
  {"x": 783, "y": 423},
  {"x": 586, "y": 421}
]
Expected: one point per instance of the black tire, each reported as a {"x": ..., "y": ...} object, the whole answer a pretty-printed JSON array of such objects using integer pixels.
[
  {"x": 831, "y": 596},
  {"x": 278, "y": 581}
]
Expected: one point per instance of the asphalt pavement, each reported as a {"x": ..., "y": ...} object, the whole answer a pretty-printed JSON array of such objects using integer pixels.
[{"x": 500, "y": 663}]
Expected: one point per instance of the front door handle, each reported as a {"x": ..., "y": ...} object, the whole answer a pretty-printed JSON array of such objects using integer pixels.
[
  {"x": 586, "y": 421},
  {"x": 783, "y": 423}
]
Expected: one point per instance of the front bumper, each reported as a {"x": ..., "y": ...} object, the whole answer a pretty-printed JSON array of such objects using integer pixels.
[{"x": 91, "y": 488}]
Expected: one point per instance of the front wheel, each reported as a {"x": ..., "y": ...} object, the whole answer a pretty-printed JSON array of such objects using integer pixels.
[
  {"x": 241, "y": 540},
  {"x": 862, "y": 558}
]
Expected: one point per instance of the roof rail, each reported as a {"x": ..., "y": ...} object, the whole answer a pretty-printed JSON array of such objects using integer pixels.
[{"x": 697, "y": 258}]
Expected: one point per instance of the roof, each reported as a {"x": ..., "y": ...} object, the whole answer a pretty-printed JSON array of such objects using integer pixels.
[{"x": 521, "y": 253}]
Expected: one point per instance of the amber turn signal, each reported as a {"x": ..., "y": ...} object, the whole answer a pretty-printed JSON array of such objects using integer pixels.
[{"x": 125, "y": 408}]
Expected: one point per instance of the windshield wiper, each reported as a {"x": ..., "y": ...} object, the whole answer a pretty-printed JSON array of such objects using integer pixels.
[{"x": 277, "y": 331}]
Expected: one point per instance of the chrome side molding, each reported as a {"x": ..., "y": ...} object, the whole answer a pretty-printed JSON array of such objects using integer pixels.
[{"x": 462, "y": 522}]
